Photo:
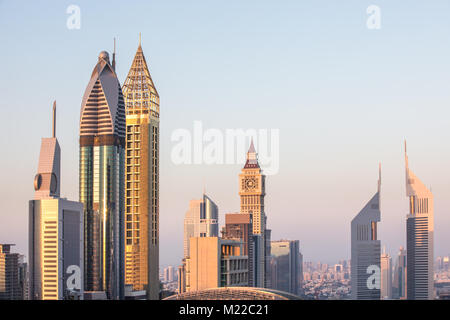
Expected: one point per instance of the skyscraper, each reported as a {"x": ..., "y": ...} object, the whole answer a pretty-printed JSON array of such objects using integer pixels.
[
  {"x": 238, "y": 226},
  {"x": 102, "y": 155},
  {"x": 399, "y": 282},
  {"x": 11, "y": 279},
  {"x": 386, "y": 276},
  {"x": 215, "y": 262},
  {"x": 55, "y": 231},
  {"x": 201, "y": 220},
  {"x": 252, "y": 191},
  {"x": 285, "y": 256},
  {"x": 142, "y": 178},
  {"x": 419, "y": 238},
  {"x": 365, "y": 261}
]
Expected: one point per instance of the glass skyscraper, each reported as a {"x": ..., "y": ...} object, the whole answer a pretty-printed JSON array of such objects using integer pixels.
[{"x": 102, "y": 156}]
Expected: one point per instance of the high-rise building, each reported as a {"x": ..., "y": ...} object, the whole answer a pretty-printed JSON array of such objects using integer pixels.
[
  {"x": 419, "y": 238},
  {"x": 399, "y": 282},
  {"x": 201, "y": 220},
  {"x": 386, "y": 276},
  {"x": 365, "y": 259},
  {"x": 300, "y": 274},
  {"x": 252, "y": 191},
  {"x": 169, "y": 274},
  {"x": 142, "y": 178},
  {"x": 55, "y": 231},
  {"x": 102, "y": 156},
  {"x": 12, "y": 270},
  {"x": 238, "y": 226},
  {"x": 215, "y": 262},
  {"x": 285, "y": 264}
]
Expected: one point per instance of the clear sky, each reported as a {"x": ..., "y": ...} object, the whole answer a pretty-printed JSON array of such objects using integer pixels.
[{"x": 344, "y": 98}]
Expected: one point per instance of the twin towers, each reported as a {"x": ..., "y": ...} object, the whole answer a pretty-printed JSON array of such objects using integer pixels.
[
  {"x": 366, "y": 270},
  {"x": 106, "y": 244}
]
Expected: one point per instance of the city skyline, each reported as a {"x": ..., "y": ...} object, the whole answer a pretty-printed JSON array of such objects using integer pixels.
[{"x": 313, "y": 159}]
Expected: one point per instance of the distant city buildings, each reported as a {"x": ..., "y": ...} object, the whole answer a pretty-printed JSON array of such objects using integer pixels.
[
  {"x": 386, "y": 276},
  {"x": 326, "y": 282},
  {"x": 55, "y": 231},
  {"x": 399, "y": 280},
  {"x": 13, "y": 274},
  {"x": 365, "y": 250},
  {"x": 419, "y": 238}
]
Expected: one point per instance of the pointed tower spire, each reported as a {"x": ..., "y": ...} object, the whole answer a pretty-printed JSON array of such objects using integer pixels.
[
  {"x": 114, "y": 56},
  {"x": 54, "y": 120},
  {"x": 139, "y": 39},
  {"x": 379, "y": 177},
  {"x": 406, "y": 158},
  {"x": 252, "y": 157},
  {"x": 252, "y": 147}
]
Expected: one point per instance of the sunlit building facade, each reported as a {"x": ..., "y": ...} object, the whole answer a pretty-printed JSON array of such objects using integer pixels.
[
  {"x": 102, "y": 156},
  {"x": 238, "y": 226},
  {"x": 201, "y": 220},
  {"x": 386, "y": 276},
  {"x": 252, "y": 191},
  {"x": 419, "y": 238},
  {"x": 142, "y": 178},
  {"x": 12, "y": 280},
  {"x": 55, "y": 235},
  {"x": 215, "y": 262}
]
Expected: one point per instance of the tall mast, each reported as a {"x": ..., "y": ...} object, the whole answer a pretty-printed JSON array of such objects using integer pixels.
[{"x": 54, "y": 120}]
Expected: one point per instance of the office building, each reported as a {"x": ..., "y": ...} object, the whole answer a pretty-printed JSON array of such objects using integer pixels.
[
  {"x": 12, "y": 271},
  {"x": 399, "y": 282},
  {"x": 55, "y": 232},
  {"x": 201, "y": 220},
  {"x": 238, "y": 226},
  {"x": 419, "y": 238},
  {"x": 142, "y": 178},
  {"x": 286, "y": 267},
  {"x": 102, "y": 156},
  {"x": 252, "y": 191},
  {"x": 215, "y": 262},
  {"x": 365, "y": 251},
  {"x": 386, "y": 276}
]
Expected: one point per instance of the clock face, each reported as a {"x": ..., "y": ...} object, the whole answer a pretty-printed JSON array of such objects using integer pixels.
[{"x": 250, "y": 183}]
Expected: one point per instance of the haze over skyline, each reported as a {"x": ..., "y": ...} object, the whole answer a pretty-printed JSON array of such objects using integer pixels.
[{"x": 343, "y": 97}]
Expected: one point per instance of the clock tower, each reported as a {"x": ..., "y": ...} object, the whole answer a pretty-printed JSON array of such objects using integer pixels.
[{"x": 252, "y": 191}]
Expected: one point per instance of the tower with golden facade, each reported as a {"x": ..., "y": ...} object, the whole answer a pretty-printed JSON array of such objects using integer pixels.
[
  {"x": 252, "y": 191},
  {"x": 141, "y": 179}
]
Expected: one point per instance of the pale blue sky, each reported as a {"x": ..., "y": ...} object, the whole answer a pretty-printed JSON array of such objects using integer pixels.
[{"x": 343, "y": 97}]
